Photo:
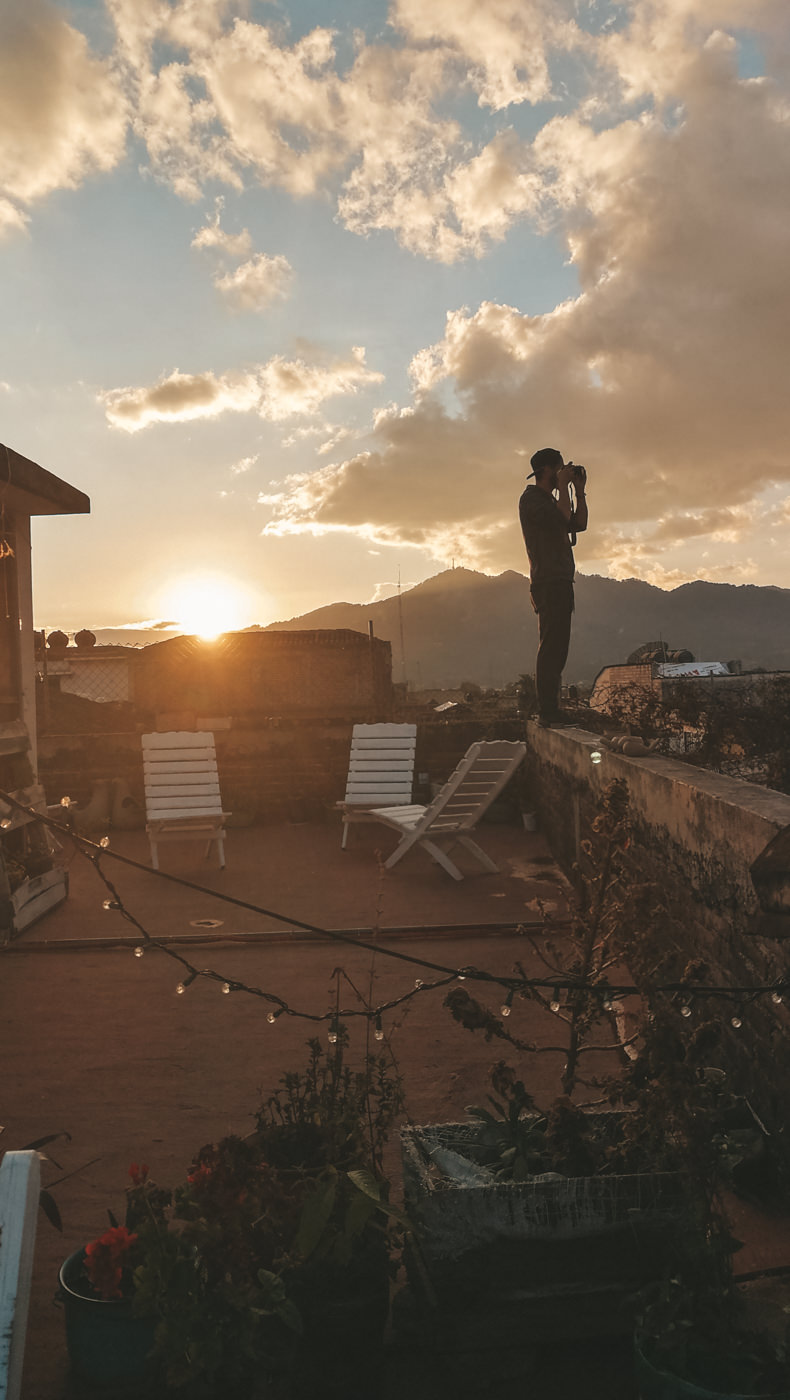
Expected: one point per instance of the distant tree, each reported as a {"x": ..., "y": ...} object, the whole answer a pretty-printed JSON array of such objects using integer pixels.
[
  {"x": 526, "y": 695},
  {"x": 471, "y": 690}
]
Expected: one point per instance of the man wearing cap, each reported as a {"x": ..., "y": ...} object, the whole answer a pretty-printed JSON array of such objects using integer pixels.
[{"x": 550, "y": 526}]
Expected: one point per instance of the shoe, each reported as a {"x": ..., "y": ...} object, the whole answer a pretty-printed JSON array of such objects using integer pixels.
[{"x": 559, "y": 719}]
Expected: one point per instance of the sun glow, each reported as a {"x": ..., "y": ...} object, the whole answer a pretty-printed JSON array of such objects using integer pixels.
[{"x": 204, "y": 605}]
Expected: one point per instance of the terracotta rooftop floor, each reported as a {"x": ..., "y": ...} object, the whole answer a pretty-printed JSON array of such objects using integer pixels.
[{"x": 96, "y": 1042}]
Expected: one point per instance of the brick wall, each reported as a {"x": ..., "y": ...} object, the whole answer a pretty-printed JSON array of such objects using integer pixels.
[{"x": 246, "y": 674}]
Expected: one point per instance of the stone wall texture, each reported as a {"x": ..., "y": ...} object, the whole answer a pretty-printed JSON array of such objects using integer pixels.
[{"x": 696, "y": 836}]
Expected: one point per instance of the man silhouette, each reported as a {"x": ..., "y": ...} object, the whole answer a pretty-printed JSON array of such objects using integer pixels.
[{"x": 550, "y": 527}]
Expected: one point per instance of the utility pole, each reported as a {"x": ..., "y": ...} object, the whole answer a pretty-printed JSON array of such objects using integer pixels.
[{"x": 400, "y": 625}]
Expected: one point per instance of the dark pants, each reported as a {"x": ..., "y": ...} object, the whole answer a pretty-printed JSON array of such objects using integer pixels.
[{"x": 553, "y": 602}]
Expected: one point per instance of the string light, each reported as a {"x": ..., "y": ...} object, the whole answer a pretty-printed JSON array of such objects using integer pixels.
[
  {"x": 507, "y": 1005},
  {"x": 570, "y": 984},
  {"x": 596, "y": 756},
  {"x": 378, "y": 1033}
]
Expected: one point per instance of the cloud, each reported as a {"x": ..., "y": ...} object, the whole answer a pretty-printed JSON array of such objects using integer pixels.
[
  {"x": 62, "y": 114},
  {"x": 277, "y": 390},
  {"x": 243, "y": 465},
  {"x": 213, "y": 236},
  {"x": 179, "y": 398},
  {"x": 665, "y": 375},
  {"x": 257, "y": 283},
  {"x": 293, "y": 386},
  {"x": 12, "y": 219},
  {"x": 505, "y": 43}
]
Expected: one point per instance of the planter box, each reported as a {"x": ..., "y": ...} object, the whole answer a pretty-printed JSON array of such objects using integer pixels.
[{"x": 543, "y": 1246}]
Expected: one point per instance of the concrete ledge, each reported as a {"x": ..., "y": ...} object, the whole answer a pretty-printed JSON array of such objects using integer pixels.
[{"x": 694, "y": 827}]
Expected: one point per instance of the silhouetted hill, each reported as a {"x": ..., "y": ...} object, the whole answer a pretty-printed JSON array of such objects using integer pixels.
[{"x": 462, "y": 625}]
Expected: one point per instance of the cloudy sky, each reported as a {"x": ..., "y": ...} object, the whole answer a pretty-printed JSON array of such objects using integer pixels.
[{"x": 293, "y": 289}]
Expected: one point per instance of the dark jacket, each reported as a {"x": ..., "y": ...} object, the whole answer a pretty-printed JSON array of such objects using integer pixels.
[{"x": 546, "y": 535}]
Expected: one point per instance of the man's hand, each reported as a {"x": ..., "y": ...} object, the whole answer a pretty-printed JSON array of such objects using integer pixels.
[{"x": 565, "y": 475}]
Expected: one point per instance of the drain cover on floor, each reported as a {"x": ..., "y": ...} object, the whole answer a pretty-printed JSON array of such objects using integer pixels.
[{"x": 206, "y": 923}]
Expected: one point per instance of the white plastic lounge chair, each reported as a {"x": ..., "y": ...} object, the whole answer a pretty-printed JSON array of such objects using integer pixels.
[
  {"x": 456, "y": 810},
  {"x": 380, "y": 770},
  {"x": 182, "y": 798}
]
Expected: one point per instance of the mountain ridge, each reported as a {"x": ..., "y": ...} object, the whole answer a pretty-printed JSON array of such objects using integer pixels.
[{"x": 462, "y": 625}]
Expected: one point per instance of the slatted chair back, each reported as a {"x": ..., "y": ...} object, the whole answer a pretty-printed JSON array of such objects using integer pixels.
[
  {"x": 457, "y": 808},
  {"x": 182, "y": 793},
  {"x": 380, "y": 770},
  {"x": 473, "y": 786}
]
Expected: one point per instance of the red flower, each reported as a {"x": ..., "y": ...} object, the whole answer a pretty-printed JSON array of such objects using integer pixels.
[
  {"x": 105, "y": 1260},
  {"x": 139, "y": 1175},
  {"x": 199, "y": 1176}
]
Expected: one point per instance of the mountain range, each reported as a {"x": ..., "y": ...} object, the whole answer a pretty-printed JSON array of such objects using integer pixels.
[{"x": 466, "y": 626}]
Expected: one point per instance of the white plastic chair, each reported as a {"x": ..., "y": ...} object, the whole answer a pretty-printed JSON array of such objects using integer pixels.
[
  {"x": 182, "y": 797},
  {"x": 380, "y": 770},
  {"x": 20, "y": 1176},
  {"x": 457, "y": 808}
]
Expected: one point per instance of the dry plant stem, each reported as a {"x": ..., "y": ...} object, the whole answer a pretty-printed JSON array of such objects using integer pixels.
[{"x": 578, "y": 1001}]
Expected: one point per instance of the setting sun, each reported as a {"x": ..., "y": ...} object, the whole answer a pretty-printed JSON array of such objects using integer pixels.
[{"x": 204, "y": 605}]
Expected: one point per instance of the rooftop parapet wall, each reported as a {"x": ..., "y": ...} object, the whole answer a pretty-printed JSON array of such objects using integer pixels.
[
  {"x": 696, "y": 836},
  {"x": 702, "y": 829}
]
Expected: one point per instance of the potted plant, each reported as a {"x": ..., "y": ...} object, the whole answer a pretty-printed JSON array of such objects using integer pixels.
[
  {"x": 537, "y": 1208},
  {"x": 235, "y": 1281},
  {"x": 324, "y": 1130}
]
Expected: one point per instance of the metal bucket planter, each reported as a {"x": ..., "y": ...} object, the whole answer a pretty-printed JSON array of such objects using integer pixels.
[
  {"x": 535, "y": 1249},
  {"x": 655, "y": 1384},
  {"x": 107, "y": 1344}
]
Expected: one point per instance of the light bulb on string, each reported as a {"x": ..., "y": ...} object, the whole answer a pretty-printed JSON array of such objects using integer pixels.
[
  {"x": 111, "y": 904},
  {"x": 777, "y": 998},
  {"x": 418, "y": 982},
  {"x": 187, "y": 982},
  {"x": 736, "y": 1022},
  {"x": 507, "y": 1004},
  {"x": 226, "y": 987},
  {"x": 65, "y": 801},
  {"x": 104, "y": 843},
  {"x": 596, "y": 756},
  {"x": 332, "y": 1035},
  {"x": 461, "y": 975},
  {"x": 378, "y": 1033},
  {"x": 6, "y": 821},
  {"x": 685, "y": 1010},
  {"x": 138, "y": 952},
  {"x": 271, "y": 1016},
  {"x": 554, "y": 1004}
]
